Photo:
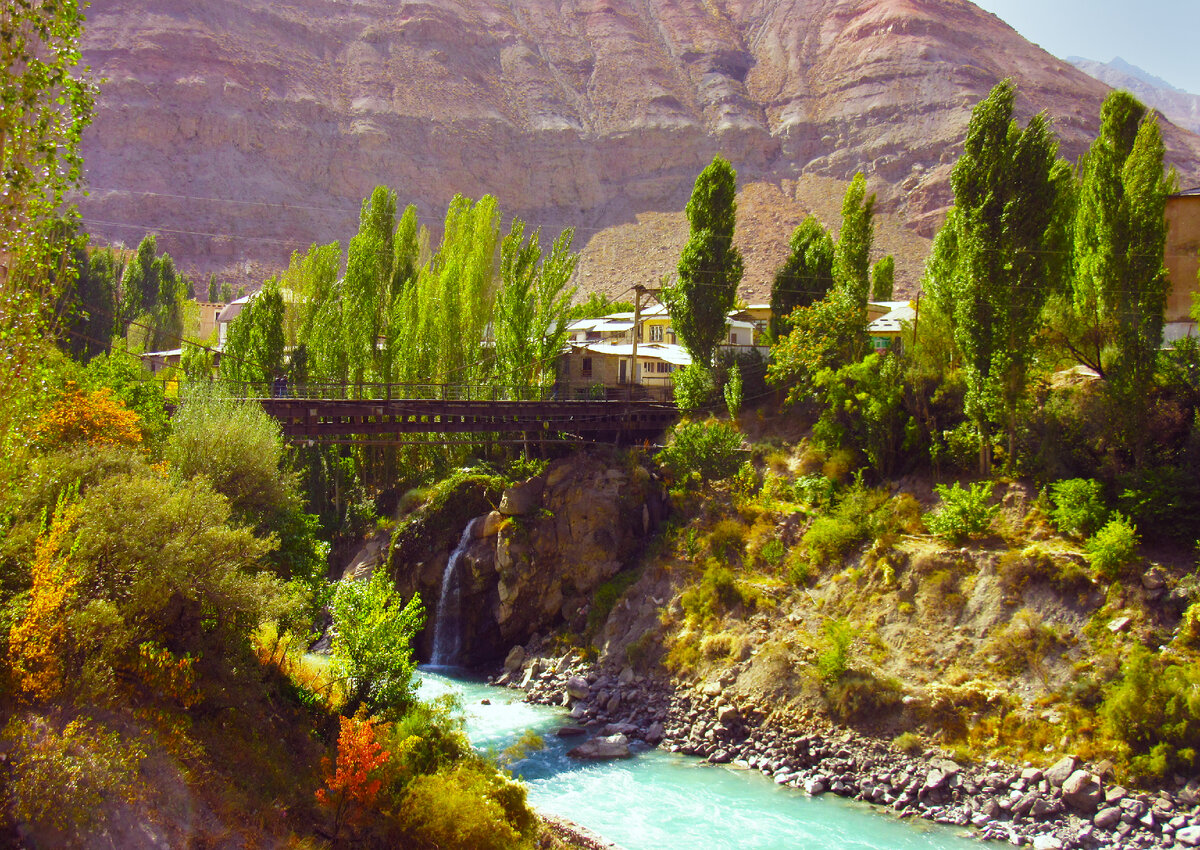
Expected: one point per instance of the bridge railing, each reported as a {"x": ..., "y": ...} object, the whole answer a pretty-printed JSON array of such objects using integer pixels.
[{"x": 562, "y": 391}]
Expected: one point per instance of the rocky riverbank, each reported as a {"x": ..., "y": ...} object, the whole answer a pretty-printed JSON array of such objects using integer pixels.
[{"x": 1069, "y": 804}]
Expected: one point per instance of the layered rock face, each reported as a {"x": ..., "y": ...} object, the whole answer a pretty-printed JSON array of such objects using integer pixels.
[{"x": 244, "y": 129}]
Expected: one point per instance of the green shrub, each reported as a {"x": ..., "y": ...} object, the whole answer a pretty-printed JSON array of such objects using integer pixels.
[
  {"x": 1078, "y": 506},
  {"x": 772, "y": 553},
  {"x": 727, "y": 540},
  {"x": 709, "y": 450},
  {"x": 1113, "y": 547},
  {"x": 909, "y": 743},
  {"x": 469, "y": 806},
  {"x": 1154, "y": 709},
  {"x": 815, "y": 490},
  {"x": 963, "y": 513},
  {"x": 607, "y": 595},
  {"x": 830, "y": 537},
  {"x": 716, "y": 593},
  {"x": 695, "y": 387},
  {"x": 834, "y": 657},
  {"x": 733, "y": 390},
  {"x": 373, "y": 633},
  {"x": 859, "y": 695},
  {"x": 63, "y": 780}
]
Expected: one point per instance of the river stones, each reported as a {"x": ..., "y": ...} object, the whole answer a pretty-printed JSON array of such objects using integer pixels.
[
  {"x": 1062, "y": 770},
  {"x": 602, "y": 748},
  {"x": 1082, "y": 791},
  {"x": 578, "y": 688}
]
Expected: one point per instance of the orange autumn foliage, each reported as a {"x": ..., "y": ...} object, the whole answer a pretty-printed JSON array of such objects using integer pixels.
[
  {"x": 97, "y": 418},
  {"x": 351, "y": 783},
  {"x": 164, "y": 672},
  {"x": 37, "y": 645}
]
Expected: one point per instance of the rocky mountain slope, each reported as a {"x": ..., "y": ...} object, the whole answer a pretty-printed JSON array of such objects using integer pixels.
[
  {"x": 241, "y": 130},
  {"x": 1179, "y": 106}
]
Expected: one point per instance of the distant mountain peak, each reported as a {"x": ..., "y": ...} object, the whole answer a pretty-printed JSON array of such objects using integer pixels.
[
  {"x": 1180, "y": 107},
  {"x": 1128, "y": 68}
]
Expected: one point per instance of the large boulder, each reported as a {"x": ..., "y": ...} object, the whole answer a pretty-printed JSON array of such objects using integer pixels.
[
  {"x": 1082, "y": 791},
  {"x": 578, "y": 688},
  {"x": 1061, "y": 771},
  {"x": 601, "y": 748},
  {"x": 524, "y": 498}
]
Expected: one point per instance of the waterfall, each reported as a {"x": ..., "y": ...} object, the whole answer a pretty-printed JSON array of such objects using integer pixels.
[{"x": 447, "y": 637}]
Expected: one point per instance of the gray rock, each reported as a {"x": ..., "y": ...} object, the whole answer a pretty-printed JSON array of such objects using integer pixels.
[
  {"x": 728, "y": 715},
  {"x": 514, "y": 659},
  {"x": 1189, "y": 836},
  {"x": 1062, "y": 770},
  {"x": 570, "y": 731},
  {"x": 577, "y": 687},
  {"x": 1190, "y": 794},
  {"x": 1046, "y": 842},
  {"x": 601, "y": 748},
  {"x": 1107, "y": 818},
  {"x": 524, "y": 498},
  {"x": 1120, "y": 624},
  {"x": 1082, "y": 791},
  {"x": 815, "y": 786}
]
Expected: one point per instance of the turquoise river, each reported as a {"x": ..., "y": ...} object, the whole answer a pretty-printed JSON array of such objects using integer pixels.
[{"x": 660, "y": 800}]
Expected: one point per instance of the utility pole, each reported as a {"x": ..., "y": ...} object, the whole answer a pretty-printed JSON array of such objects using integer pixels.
[{"x": 638, "y": 290}]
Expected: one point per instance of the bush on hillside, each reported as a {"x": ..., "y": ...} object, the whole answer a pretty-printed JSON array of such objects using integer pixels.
[
  {"x": 710, "y": 451},
  {"x": 695, "y": 387},
  {"x": 1078, "y": 506},
  {"x": 372, "y": 645},
  {"x": 468, "y": 806},
  {"x": 963, "y": 514},
  {"x": 1113, "y": 547},
  {"x": 1154, "y": 709}
]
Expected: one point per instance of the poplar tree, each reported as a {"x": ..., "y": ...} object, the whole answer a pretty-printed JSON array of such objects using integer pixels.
[
  {"x": 531, "y": 308},
  {"x": 1113, "y": 318},
  {"x": 883, "y": 279},
  {"x": 45, "y": 103},
  {"x": 994, "y": 269},
  {"x": 852, "y": 258},
  {"x": 805, "y": 276},
  {"x": 254, "y": 346},
  {"x": 710, "y": 267}
]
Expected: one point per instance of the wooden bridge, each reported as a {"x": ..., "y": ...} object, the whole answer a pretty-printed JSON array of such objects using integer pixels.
[{"x": 384, "y": 413}]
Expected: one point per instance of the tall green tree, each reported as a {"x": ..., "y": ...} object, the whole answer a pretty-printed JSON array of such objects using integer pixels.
[
  {"x": 710, "y": 267},
  {"x": 530, "y": 321},
  {"x": 45, "y": 103},
  {"x": 1111, "y": 316},
  {"x": 995, "y": 266},
  {"x": 805, "y": 276},
  {"x": 254, "y": 346},
  {"x": 88, "y": 305},
  {"x": 883, "y": 279}
]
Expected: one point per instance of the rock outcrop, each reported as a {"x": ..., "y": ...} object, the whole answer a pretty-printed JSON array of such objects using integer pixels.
[
  {"x": 242, "y": 131},
  {"x": 537, "y": 562}
]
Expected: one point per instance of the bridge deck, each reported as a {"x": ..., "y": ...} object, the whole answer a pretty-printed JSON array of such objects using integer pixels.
[{"x": 316, "y": 419}]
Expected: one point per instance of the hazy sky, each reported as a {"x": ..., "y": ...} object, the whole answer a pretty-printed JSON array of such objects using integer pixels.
[{"x": 1159, "y": 36}]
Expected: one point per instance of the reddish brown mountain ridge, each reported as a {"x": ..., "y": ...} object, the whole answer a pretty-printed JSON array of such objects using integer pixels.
[{"x": 240, "y": 130}]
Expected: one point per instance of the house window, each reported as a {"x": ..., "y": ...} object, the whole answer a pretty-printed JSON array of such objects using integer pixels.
[
  {"x": 587, "y": 367},
  {"x": 663, "y": 367},
  {"x": 656, "y": 333},
  {"x": 732, "y": 338}
]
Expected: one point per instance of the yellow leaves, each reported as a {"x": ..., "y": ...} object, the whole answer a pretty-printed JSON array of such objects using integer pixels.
[
  {"x": 37, "y": 645},
  {"x": 96, "y": 418}
]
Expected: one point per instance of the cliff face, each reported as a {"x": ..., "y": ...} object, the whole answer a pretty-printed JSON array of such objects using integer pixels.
[{"x": 244, "y": 129}]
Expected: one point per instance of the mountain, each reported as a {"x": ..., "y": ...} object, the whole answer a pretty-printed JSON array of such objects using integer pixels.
[
  {"x": 243, "y": 129},
  {"x": 1179, "y": 107}
]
